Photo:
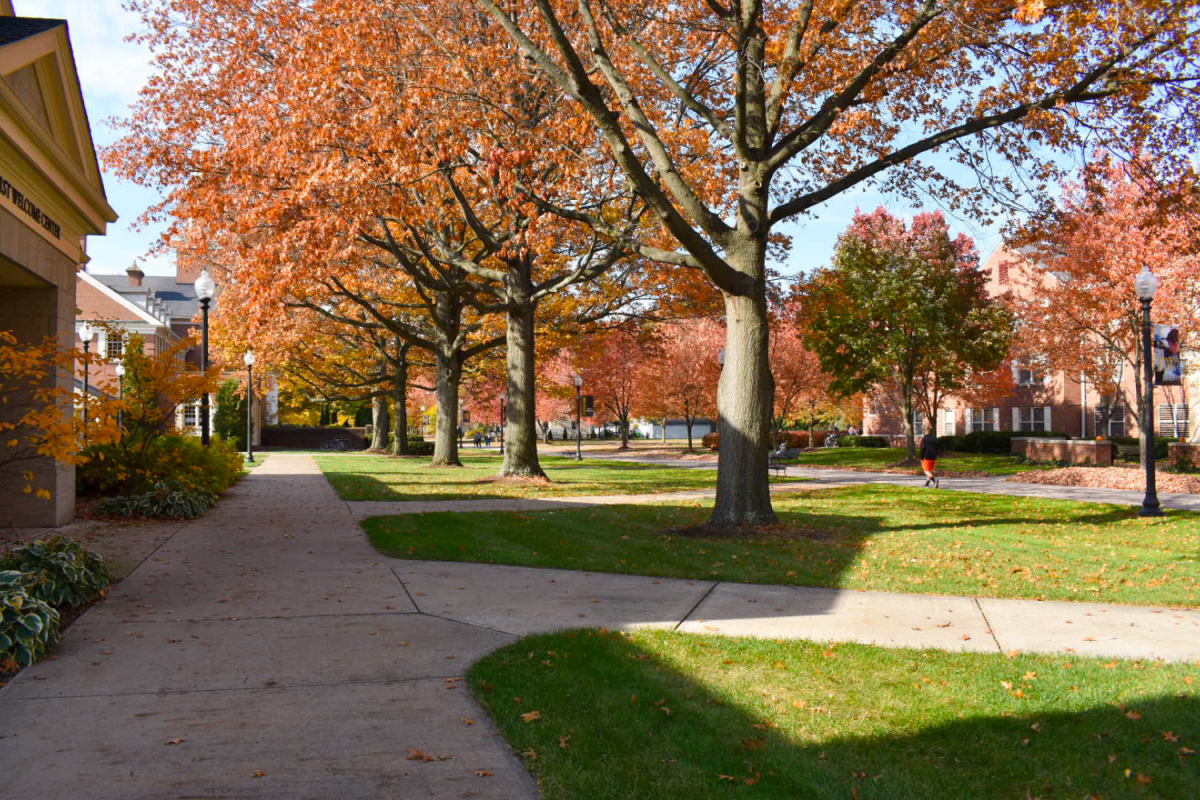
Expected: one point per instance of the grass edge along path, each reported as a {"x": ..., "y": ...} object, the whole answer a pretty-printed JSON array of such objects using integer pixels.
[
  {"x": 598, "y": 715},
  {"x": 873, "y": 537},
  {"x": 412, "y": 478}
]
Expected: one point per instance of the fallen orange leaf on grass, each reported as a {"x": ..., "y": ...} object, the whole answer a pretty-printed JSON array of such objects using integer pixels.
[{"x": 530, "y": 716}]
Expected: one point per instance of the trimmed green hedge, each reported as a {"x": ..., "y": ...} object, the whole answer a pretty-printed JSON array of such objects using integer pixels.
[
  {"x": 862, "y": 441},
  {"x": 991, "y": 441}
]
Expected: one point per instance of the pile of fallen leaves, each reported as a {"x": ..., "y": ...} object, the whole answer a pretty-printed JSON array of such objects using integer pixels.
[{"x": 1111, "y": 478}]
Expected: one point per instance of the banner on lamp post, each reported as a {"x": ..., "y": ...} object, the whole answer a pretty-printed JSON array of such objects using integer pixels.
[
  {"x": 1168, "y": 361},
  {"x": 589, "y": 407}
]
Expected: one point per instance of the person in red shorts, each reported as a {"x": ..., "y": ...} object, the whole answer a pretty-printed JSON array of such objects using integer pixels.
[{"x": 929, "y": 454}]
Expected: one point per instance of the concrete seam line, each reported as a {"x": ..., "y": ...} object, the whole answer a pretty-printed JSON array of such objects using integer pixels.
[
  {"x": 404, "y": 586},
  {"x": 180, "y": 620},
  {"x": 475, "y": 625},
  {"x": 698, "y": 602},
  {"x": 987, "y": 622},
  {"x": 275, "y": 688}
]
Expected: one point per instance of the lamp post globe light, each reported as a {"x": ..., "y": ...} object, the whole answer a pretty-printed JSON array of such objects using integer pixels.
[
  {"x": 249, "y": 359},
  {"x": 577, "y": 379},
  {"x": 1145, "y": 285},
  {"x": 206, "y": 289},
  {"x": 121, "y": 398},
  {"x": 86, "y": 332}
]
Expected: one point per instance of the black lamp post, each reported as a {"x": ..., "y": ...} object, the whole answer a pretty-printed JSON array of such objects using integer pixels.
[
  {"x": 578, "y": 379},
  {"x": 1145, "y": 285},
  {"x": 121, "y": 398},
  {"x": 86, "y": 332},
  {"x": 249, "y": 359},
  {"x": 206, "y": 288},
  {"x": 503, "y": 408}
]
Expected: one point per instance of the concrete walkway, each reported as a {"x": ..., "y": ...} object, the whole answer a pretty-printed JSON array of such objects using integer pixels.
[
  {"x": 267, "y": 651},
  {"x": 990, "y": 485}
]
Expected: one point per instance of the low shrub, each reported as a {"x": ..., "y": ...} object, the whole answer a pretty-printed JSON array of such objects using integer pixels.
[
  {"x": 711, "y": 440},
  {"x": 862, "y": 441},
  {"x": 28, "y": 626},
  {"x": 999, "y": 441},
  {"x": 171, "y": 500},
  {"x": 60, "y": 571},
  {"x": 171, "y": 458},
  {"x": 798, "y": 440},
  {"x": 1160, "y": 444},
  {"x": 419, "y": 447},
  {"x": 949, "y": 444}
]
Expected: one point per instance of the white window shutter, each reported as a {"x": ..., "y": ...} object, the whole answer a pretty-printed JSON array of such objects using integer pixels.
[
  {"x": 996, "y": 419},
  {"x": 102, "y": 343},
  {"x": 969, "y": 421},
  {"x": 1049, "y": 427},
  {"x": 1016, "y": 372},
  {"x": 1016, "y": 419}
]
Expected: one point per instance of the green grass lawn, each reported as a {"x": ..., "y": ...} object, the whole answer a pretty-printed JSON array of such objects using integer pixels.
[
  {"x": 877, "y": 537},
  {"x": 377, "y": 477},
  {"x": 652, "y": 714},
  {"x": 879, "y": 458}
]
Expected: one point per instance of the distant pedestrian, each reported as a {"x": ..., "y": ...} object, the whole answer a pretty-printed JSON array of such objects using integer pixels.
[
  {"x": 478, "y": 439},
  {"x": 929, "y": 456},
  {"x": 487, "y": 439}
]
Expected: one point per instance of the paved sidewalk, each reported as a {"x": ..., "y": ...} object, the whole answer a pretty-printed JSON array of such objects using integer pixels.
[
  {"x": 267, "y": 651},
  {"x": 990, "y": 485}
]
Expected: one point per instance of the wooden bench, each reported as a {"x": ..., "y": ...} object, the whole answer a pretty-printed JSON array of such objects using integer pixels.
[
  {"x": 1131, "y": 452},
  {"x": 776, "y": 466}
]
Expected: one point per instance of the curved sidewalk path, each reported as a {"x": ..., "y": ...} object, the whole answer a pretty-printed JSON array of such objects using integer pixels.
[{"x": 267, "y": 651}]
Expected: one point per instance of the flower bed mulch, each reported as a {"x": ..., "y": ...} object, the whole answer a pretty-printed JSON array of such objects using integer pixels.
[{"x": 1111, "y": 478}]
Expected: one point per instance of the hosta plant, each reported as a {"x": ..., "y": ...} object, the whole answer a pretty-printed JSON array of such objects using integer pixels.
[
  {"x": 164, "y": 500},
  {"x": 27, "y": 625},
  {"x": 60, "y": 571}
]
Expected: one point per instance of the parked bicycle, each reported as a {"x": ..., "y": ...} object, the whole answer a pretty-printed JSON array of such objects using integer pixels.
[
  {"x": 832, "y": 439},
  {"x": 338, "y": 445}
]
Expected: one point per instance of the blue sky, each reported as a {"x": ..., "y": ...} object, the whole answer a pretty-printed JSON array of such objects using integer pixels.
[{"x": 112, "y": 70}]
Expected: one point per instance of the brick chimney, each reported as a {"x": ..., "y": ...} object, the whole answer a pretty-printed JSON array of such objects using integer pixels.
[{"x": 135, "y": 275}]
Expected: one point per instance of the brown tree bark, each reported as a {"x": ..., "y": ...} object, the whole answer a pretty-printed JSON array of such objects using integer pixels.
[
  {"x": 379, "y": 423},
  {"x": 400, "y": 397},
  {"x": 445, "y": 442},
  {"x": 520, "y": 425}
]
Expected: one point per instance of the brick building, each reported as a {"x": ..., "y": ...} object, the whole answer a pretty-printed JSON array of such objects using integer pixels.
[{"x": 1049, "y": 401}]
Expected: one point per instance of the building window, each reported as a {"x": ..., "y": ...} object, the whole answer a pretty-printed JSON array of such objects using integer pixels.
[
  {"x": 918, "y": 422},
  {"x": 1033, "y": 419},
  {"x": 1173, "y": 420},
  {"x": 191, "y": 415},
  {"x": 1110, "y": 420},
  {"x": 115, "y": 348},
  {"x": 983, "y": 419},
  {"x": 1029, "y": 377}
]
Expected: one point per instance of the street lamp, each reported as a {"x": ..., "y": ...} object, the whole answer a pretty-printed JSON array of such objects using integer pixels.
[
  {"x": 121, "y": 398},
  {"x": 206, "y": 288},
  {"x": 1145, "y": 285},
  {"x": 503, "y": 408},
  {"x": 249, "y": 358},
  {"x": 578, "y": 379},
  {"x": 86, "y": 332}
]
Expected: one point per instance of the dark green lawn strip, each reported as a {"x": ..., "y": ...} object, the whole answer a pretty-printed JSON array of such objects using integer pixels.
[
  {"x": 883, "y": 538},
  {"x": 880, "y": 458},
  {"x": 654, "y": 715},
  {"x": 378, "y": 477}
]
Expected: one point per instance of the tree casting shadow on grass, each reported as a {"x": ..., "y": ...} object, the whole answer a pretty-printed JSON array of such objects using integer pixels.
[{"x": 652, "y": 732}]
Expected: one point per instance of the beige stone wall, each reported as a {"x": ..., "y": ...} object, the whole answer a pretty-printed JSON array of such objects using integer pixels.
[{"x": 37, "y": 299}]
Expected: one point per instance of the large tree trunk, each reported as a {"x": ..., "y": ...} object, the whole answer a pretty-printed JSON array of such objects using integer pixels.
[
  {"x": 624, "y": 433},
  {"x": 520, "y": 440},
  {"x": 379, "y": 423},
  {"x": 745, "y": 398},
  {"x": 688, "y": 422},
  {"x": 400, "y": 398},
  {"x": 445, "y": 439}
]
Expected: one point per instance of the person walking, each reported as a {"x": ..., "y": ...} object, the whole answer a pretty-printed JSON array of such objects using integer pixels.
[{"x": 929, "y": 455}]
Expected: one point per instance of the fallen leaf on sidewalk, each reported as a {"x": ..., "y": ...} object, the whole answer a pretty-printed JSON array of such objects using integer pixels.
[
  {"x": 258, "y": 773},
  {"x": 416, "y": 755},
  {"x": 482, "y": 773},
  {"x": 175, "y": 741},
  {"x": 468, "y": 721}
]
